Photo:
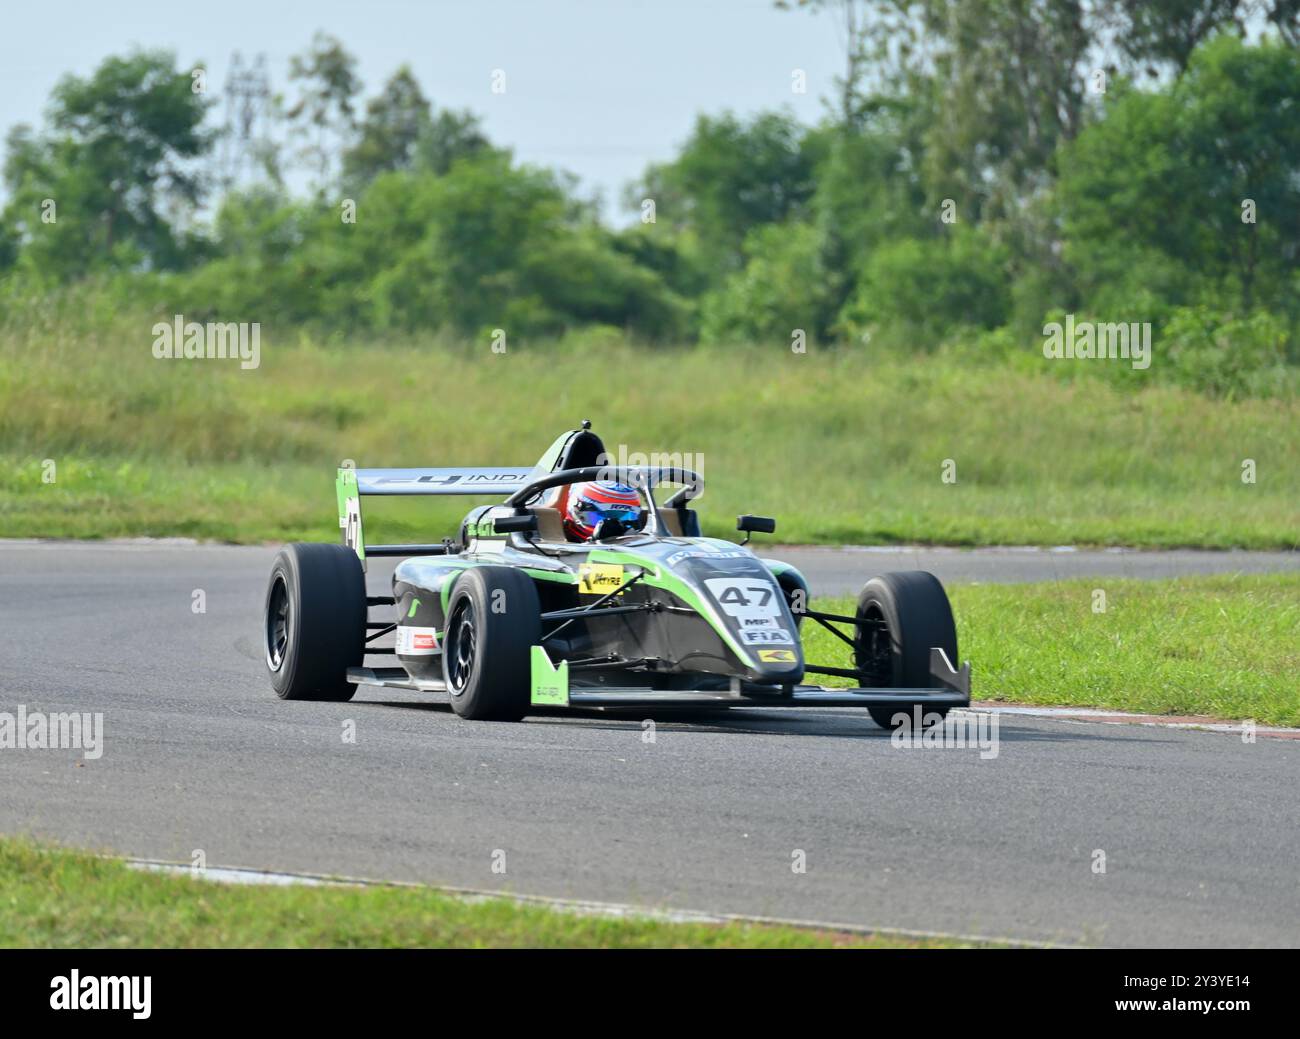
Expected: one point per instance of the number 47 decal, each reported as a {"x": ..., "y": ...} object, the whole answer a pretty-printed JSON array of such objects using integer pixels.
[
  {"x": 745, "y": 599},
  {"x": 735, "y": 597}
]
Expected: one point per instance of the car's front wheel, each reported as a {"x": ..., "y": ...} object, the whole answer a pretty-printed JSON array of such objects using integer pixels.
[
  {"x": 493, "y": 622},
  {"x": 901, "y": 616},
  {"x": 315, "y": 621}
]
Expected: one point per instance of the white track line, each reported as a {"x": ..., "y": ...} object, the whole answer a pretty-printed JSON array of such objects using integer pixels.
[{"x": 1104, "y": 717}]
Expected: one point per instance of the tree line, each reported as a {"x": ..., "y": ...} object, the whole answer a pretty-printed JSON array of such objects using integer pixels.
[{"x": 983, "y": 167}]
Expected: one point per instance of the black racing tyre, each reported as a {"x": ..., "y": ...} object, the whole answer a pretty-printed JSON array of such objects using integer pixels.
[
  {"x": 908, "y": 613},
  {"x": 493, "y": 621},
  {"x": 315, "y": 621},
  {"x": 795, "y": 590}
]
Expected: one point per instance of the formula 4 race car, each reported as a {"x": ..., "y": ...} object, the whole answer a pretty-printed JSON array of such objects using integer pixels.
[{"x": 514, "y": 615}]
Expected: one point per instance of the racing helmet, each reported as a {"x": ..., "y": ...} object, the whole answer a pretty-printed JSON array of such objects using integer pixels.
[{"x": 597, "y": 500}]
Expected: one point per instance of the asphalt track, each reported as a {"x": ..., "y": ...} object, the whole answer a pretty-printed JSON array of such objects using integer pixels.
[{"x": 1200, "y": 831}]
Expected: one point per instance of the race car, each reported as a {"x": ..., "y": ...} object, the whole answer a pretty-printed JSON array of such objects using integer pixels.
[{"x": 588, "y": 587}]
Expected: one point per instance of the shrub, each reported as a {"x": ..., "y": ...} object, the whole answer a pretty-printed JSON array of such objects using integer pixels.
[
  {"x": 923, "y": 290},
  {"x": 782, "y": 287},
  {"x": 1226, "y": 356}
]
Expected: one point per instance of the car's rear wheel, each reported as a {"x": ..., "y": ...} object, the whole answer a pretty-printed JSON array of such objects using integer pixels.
[
  {"x": 901, "y": 616},
  {"x": 315, "y": 621},
  {"x": 493, "y": 621}
]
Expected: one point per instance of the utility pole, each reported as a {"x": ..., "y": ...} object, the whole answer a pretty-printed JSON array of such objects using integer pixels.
[{"x": 247, "y": 127}]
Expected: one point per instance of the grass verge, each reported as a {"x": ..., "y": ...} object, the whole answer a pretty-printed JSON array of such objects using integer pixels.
[
  {"x": 1224, "y": 646},
  {"x": 67, "y": 899},
  {"x": 98, "y": 438}
]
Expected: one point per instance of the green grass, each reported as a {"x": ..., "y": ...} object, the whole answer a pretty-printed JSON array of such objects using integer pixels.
[
  {"x": 1221, "y": 646},
  {"x": 51, "y": 897},
  {"x": 841, "y": 446}
]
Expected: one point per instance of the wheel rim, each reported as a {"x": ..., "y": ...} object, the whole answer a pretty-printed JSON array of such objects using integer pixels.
[
  {"x": 875, "y": 654},
  {"x": 278, "y": 615},
  {"x": 460, "y": 651}
]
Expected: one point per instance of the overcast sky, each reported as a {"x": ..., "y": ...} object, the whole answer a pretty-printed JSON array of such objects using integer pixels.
[{"x": 597, "y": 88}]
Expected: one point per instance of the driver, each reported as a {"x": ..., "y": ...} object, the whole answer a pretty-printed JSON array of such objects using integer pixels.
[{"x": 602, "y": 500}]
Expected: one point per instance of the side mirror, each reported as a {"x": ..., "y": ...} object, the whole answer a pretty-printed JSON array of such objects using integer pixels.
[
  {"x": 755, "y": 525},
  {"x": 519, "y": 524}
]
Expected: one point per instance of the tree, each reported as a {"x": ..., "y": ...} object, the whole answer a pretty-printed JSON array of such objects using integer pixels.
[
  {"x": 1284, "y": 16},
  {"x": 1154, "y": 32},
  {"x": 325, "y": 110},
  {"x": 886, "y": 48},
  {"x": 869, "y": 192},
  {"x": 393, "y": 125},
  {"x": 1204, "y": 173},
  {"x": 1161, "y": 35},
  {"x": 450, "y": 136},
  {"x": 855, "y": 24},
  {"x": 778, "y": 292},
  {"x": 731, "y": 176},
  {"x": 401, "y": 132},
  {"x": 117, "y": 156},
  {"x": 1009, "y": 81},
  {"x": 919, "y": 291}
]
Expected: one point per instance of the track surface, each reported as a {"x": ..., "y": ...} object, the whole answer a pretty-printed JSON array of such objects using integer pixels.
[
  {"x": 1201, "y": 832},
  {"x": 842, "y": 571}
]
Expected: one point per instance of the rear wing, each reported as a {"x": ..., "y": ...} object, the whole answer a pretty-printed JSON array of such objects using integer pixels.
[
  {"x": 353, "y": 483},
  {"x": 441, "y": 481}
]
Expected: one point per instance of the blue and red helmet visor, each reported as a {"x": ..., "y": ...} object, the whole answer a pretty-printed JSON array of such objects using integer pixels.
[{"x": 590, "y": 503}]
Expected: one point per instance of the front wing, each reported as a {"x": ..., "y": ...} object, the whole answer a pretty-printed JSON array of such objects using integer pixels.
[{"x": 552, "y": 687}]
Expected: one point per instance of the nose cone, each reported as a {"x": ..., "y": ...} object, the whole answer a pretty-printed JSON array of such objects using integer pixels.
[
  {"x": 751, "y": 607},
  {"x": 781, "y": 665}
]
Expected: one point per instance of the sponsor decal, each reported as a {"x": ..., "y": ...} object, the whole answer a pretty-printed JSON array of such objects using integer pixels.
[
  {"x": 746, "y": 598},
  {"x": 416, "y": 642},
  {"x": 599, "y": 578},
  {"x": 444, "y": 478},
  {"x": 776, "y": 656},
  {"x": 765, "y": 636},
  {"x": 703, "y": 550}
]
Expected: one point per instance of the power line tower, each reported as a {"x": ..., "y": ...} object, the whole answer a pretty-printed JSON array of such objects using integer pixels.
[{"x": 247, "y": 129}]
